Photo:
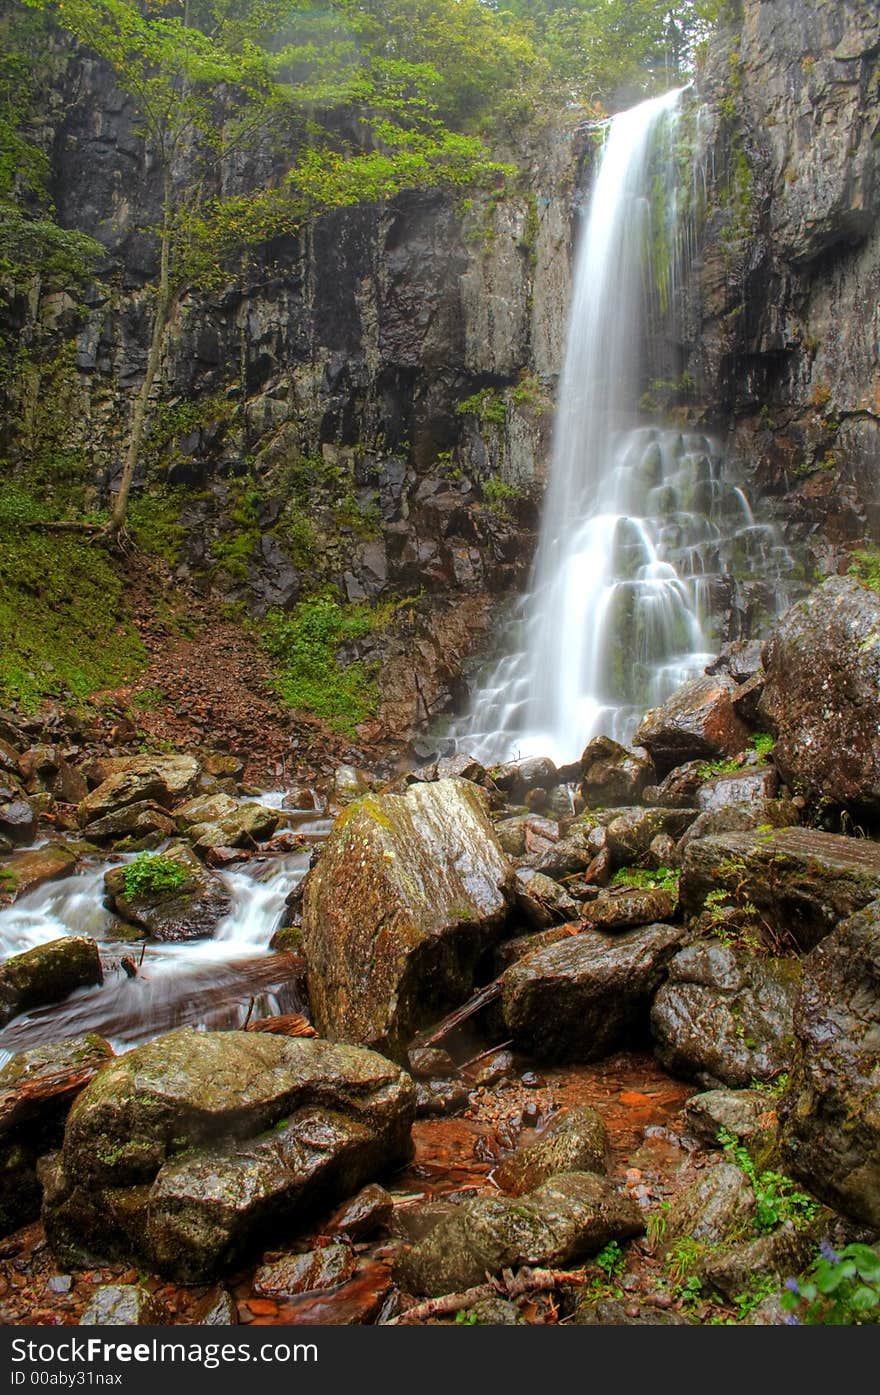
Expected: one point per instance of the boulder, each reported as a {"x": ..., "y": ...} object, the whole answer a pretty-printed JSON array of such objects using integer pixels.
[
  {"x": 698, "y": 721},
  {"x": 349, "y": 783},
  {"x": 205, "y": 808},
  {"x": 611, "y": 775},
  {"x": 612, "y": 1312},
  {"x": 247, "y": 825},
  {"x": 623, "y": 907},
  {"x": 542, "y": 901},
  {"x": 630, "y": 832},
  {"x": 133, "y": 820},
  {"x": 23, "y": 872},
  {"x": 821, "y": 696},
  {"x": 124, "y": 1305},
  {"x": 371, "y": 1211},
  {"x": 802, "y": 883},
  {"x": 717, "y": 1203},
  {"x": 741, "y": 1112},
  {"x": 785, "y": 1251},
  {"x": 517, "y": 777},
  {"x": 48, "y": 973},
  {"x": 18, "y": 820},
  {"x": 304, "y": 1272},
  {"x": 582, "y": 997},
  {"x": 409, "y": 892},
  {"x": 567, "y": 1218},
  {"x": 679, "y": 789},
  {"x": 165, "y": 780},
  {"x": 196, "y": 1150},
  {"x": 573, "y": 1141},
  {"x": 830, "y": 1122},
  {"x": 190, "y": 911},
  {"x": 748, "y": 788},
  {"x": 725, "y": 1017},
  {"x": 741, "y": 659}
]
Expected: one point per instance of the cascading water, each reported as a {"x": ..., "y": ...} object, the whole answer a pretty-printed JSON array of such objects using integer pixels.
[
  {"x": 209, "y": 983},
  {"x": 639, "y": 524}
]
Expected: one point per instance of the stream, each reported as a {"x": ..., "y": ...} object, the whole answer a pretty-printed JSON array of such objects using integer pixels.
[{"x": 213, "y": 983}]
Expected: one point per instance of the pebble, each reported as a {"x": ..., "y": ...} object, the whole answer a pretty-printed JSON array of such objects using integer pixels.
[
  {"x": 532, "y": 1081},
  {"x": 60, "y": 1283}
]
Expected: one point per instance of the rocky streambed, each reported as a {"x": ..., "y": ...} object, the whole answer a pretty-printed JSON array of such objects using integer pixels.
[{"x": 593, "y": 1045}]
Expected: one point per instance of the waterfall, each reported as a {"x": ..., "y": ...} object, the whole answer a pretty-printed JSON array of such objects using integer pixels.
[{"x": 641, "y": 525}]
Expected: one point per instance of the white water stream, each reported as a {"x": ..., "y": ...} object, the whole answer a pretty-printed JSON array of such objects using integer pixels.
[
  {"x": 641, "y": 525},
  {"x": 216, "y": 982}
]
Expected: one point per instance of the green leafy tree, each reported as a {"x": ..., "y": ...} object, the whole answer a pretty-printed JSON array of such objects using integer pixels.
[{"x": 211, "y": 81}]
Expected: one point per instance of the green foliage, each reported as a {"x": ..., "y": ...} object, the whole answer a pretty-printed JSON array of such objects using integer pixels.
[
  {"x": 865, "y": 567},
  {"x": 734, "y": 922},
  {"x": 683, "y": 1256},
  {"x": 778, "y": 1199},
  {"x": 498, "y": 495},
  {"x": 151, "y": 874},
  {"x": 840, "y": 1288},
  {"x": 762, "y": 743},
  {"x": 611, "y": 1260},
  {"x": 728, "y": 765},
  {"x": 62, "y": 611},
  {"x": 486, "y": 405},
  {"x": 310, "y": 673},
  {"x": 666, "y": 878},
  {"x": 154, "y": 522}
]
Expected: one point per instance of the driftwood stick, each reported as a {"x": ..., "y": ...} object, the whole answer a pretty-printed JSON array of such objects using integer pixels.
[
  {"x": 481, "y": 999},
  {"x": 510, "y": 1286},
  {"x": 490, "y": 1051}
]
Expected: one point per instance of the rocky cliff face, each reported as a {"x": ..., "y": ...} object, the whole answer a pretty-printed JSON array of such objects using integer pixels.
[
  {"x": 392, "y": 368},
  {"x": 783, "y": 321},
  {"x": 370, "y": 404}
]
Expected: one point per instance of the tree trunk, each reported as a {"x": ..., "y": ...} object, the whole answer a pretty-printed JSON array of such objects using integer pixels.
[{"x": 154, "y": 359}]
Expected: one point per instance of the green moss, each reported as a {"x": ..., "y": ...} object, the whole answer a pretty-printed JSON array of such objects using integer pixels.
[
  {"x": 310, "y": 672},
  {"x": 865, "y": 567},
  {"x": 154, "y": 523},
  {"x": 151, "y": 874},
  {"x": 487, "y": 405},
  {"x": 498, "y": 495},
  {"x": 62, "y": 614},
  {"x": 663, "y": 877}
]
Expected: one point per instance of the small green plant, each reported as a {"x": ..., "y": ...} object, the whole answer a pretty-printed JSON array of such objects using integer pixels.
[
  {"x": 611, "y": 1260},
  {"x": 657, "y": 1225},
  {"x": 146, "y": 698},
  {"x": 150, "y": 874},
  {"x": 865, "y": 567},
  {"x": 753, "y": 1296},
  {"x": 762, "y": 744},
  {"x": 466, "y": 1317},
  {"x": 486, "y": 405},
  {"x": 683, "y": 1255},
  {"x": 839, "y": 1289},
  {"x": 707, "y": 769},
  {"x": 498, "y": 495},
  {"x": 778, "y": 1199},
  {"x": 664, "y": 878}
]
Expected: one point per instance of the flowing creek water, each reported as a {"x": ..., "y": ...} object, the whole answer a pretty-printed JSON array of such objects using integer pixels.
[
  {"x": 215, "y": 983},
  {"x": 645, "y": 529}
]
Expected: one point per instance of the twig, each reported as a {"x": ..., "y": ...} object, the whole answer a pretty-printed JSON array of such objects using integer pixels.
[
  {"x": 510, "y": 1285},
  {"x": 490, "y": 1051},
  {"x": 481, "y": 999}
]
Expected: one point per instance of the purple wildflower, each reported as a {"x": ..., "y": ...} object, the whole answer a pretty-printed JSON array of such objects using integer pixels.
[
  {"x": 792, "y": 1321},
  {"x": 828, "y": 1251},
  {"x": 792, "y": 1285}
]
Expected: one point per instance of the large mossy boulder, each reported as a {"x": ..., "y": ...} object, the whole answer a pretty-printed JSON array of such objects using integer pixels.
[
  {"x": 725, "y": 1017},
  {"x": 697, "y": 722},
  {"x": 830, "y": 1115},
  {"x": 409, "y": 892},
  {"x": 567, "y": 1218},
  {"x": 47, "y": 974},
  {"x": 194, "y": 1151},
  {"x": 189, "y": 909},
  {"x": 821, "y": 695},
  {"x": 582, "y": 997},
  {"x": 801, "y": 883},
  {"x": 165, "y": 780}
]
